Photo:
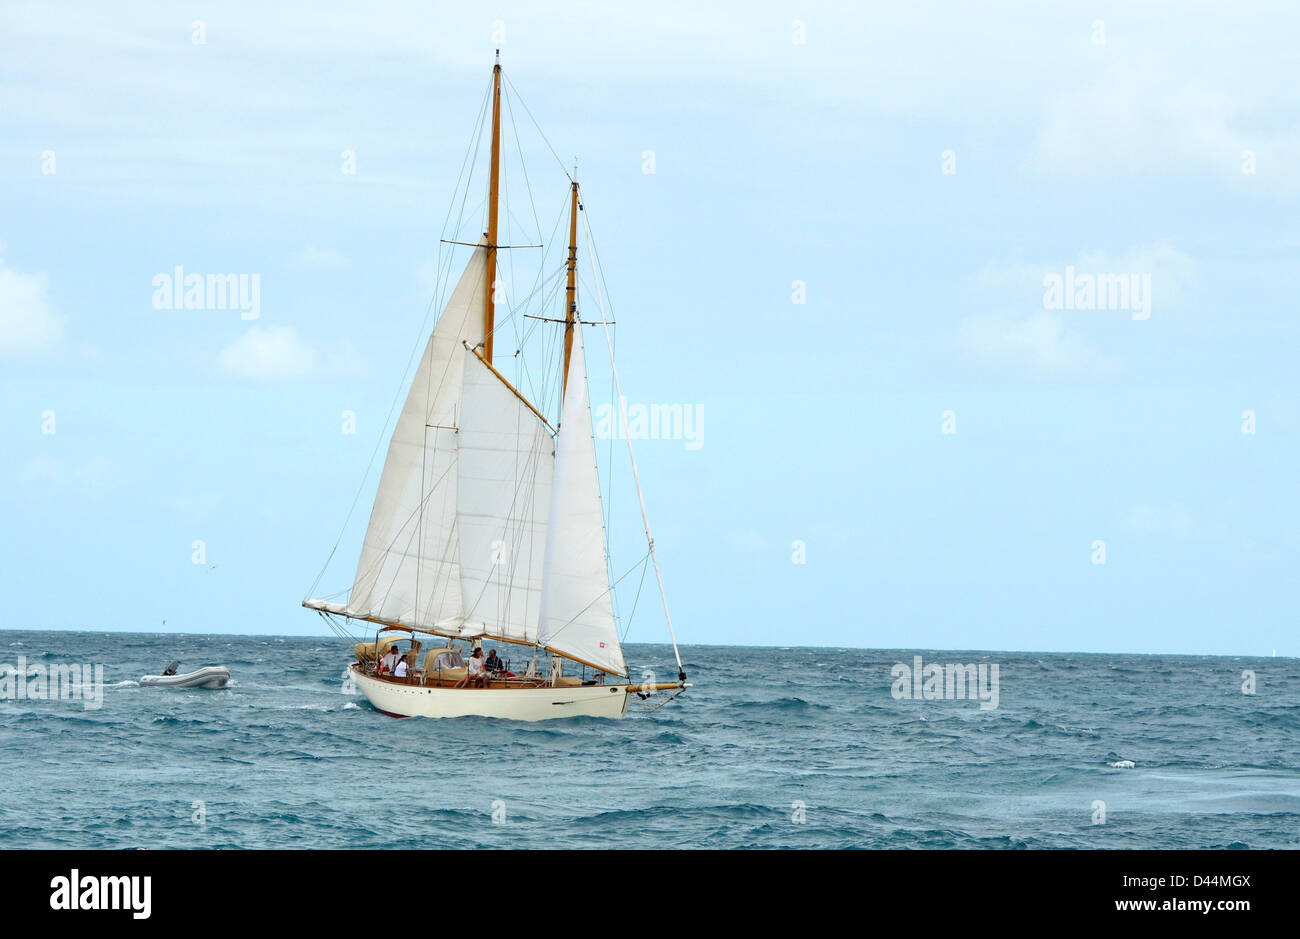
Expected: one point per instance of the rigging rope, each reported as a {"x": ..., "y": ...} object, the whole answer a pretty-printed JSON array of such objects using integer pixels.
[
  {"x": 538, "y": 126},
  {"x": 645, "y": 518}
]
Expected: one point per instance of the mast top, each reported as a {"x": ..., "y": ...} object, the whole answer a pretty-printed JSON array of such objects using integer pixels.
[{"x": 489, "y": 301}]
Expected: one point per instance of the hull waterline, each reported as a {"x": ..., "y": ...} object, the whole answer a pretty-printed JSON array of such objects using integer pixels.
[{"x": 517, "y": 704}]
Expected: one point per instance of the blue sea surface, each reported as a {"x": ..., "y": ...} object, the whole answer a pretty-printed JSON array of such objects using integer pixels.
[{"x": 771, "y": 748}]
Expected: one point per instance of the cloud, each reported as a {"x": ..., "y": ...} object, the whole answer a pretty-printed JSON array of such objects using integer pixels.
[
  {"x": 271, "y": 353},
  {"x": 28, "y": 323},
  {"x": 1051, "y": 343},
  {"x": 42, "y": 468},
  {"x": 1038, "y": 346},
  {"x": 312, "y": 258},
  {"x": 1148, "y": 521},
  {"x": 1282, "y": 411},
  {"x": 90, "y": 476},
  {"x": 1174, "y": 274},
  {"x": 1137, "y": 118},
  {"x": 748, "y": 541},
  {"x": 276, "y": 353}
]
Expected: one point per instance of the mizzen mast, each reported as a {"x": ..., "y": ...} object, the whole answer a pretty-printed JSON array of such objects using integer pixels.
[
  {"x": 571, "y": 294},
  {"x": 489, "y": 295}
]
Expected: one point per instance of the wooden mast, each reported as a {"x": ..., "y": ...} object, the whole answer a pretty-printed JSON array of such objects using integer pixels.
[
  {"x": 571, "y": 295},
  {"x": 489, "y": 297}
]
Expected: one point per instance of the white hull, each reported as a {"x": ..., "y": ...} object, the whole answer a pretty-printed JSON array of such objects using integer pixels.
[
  {"x": 214, "y": 676},
  {"x": 516, "y": 704}
]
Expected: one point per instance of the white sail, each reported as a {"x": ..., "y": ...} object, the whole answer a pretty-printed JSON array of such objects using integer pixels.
[
  {"x": 488, "y": 522},
  {"x": 506, "y": 459},
  {"x": 409, "y": 571},
  {"x": 577, "y": 615}
]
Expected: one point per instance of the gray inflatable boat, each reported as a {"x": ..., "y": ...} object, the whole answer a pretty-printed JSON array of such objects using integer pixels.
[{"x": 214, "y": 676}]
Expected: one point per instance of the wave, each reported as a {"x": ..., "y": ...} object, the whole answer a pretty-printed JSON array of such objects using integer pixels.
[
  {"x": 166, "y": 720},
  {"x": 676, "y": 814},
  {"x": 667, "y": 736},
  {"x": 720, "y": 767},
  {"x": 781, "y": 704},
  {"x": 62, "y": 719}
]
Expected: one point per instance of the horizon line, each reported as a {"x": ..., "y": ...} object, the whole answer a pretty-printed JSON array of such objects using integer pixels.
[{"x": 722, "y": 645}]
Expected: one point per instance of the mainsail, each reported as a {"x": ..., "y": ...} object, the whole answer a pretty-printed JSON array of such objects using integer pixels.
[
  {"x": 577, "y": 615},
  {"x": 409, "y": 570}
]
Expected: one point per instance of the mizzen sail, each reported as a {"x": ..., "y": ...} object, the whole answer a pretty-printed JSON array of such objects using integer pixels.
[{"x": 577, "y": 615}]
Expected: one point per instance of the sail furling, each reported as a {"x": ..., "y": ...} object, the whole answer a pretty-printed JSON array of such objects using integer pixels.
[
  {"x": 409, "y": 569},
  {"x": 577, "y": 616}
]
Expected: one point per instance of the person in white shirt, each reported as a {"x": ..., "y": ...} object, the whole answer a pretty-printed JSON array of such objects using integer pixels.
[
  {"x": 400, "y": 670},
  {"x": 475, "y": 674},
  {"x": 389, "y": 661}
]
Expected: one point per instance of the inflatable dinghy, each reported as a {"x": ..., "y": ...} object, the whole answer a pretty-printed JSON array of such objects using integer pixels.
[{"x": 214, "y": 676}]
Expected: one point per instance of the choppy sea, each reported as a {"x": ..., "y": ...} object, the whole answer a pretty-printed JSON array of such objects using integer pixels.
[{"x": 771, "y": 748}]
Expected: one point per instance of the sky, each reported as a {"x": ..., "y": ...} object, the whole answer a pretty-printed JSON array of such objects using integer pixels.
[{"x": 827, "y": 231}]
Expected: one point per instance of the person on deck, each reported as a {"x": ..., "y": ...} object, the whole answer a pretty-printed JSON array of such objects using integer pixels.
[
  {"x": 400, "y": 670},
  {"x": 389, "y": 661},
  {"x": 494, "y": 665},
  {"x": 475, "y": 674}
]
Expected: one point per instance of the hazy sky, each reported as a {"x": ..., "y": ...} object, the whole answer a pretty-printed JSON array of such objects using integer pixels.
[{"x": 919, "y": 169}]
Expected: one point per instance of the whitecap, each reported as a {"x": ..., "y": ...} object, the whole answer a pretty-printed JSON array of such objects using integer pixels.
[
  {"x": 1123, "y": 764},
  {"x": 349, "y": 686}
]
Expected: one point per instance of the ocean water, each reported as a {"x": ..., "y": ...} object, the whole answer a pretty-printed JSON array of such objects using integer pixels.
[{"x": 772, "y": 748}]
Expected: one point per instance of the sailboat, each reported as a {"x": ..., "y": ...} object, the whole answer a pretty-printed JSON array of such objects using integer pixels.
[{"x": 488, "y": 525}]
